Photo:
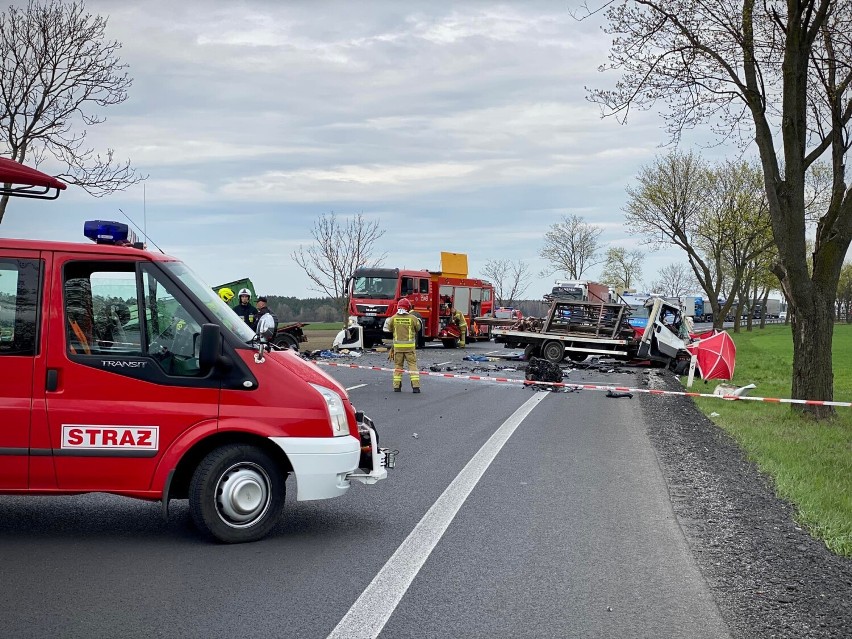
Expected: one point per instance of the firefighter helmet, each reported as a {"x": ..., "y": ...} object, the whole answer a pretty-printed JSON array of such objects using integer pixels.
[
  {"x": 245, "y": 291},
  {"x": 404, "y": 304},
  {"x": 226, "y": 294}
]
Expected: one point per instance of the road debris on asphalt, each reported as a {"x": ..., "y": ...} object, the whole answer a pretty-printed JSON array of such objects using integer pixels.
[{"x": 617, "y": 395}]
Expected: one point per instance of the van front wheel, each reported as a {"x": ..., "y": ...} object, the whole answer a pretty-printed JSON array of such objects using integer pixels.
[{"x": 236, "y": 494}]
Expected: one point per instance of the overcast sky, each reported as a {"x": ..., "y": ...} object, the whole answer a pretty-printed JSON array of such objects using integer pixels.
[{"x": 458, "y": 126}]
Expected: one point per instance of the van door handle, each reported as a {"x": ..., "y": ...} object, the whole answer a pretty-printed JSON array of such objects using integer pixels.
[{"x": 51, "y": 383}]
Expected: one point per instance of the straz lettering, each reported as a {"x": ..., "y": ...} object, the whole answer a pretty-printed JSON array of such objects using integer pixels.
[
  {"x": 115, "y": 363},
  {"x": 79, "y": 436}
]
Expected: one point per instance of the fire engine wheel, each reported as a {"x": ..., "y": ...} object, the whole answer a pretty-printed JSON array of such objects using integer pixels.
[
  {"x": 236, "y": 494},
  {"x": 553, "y": 351},
  {"x": 450, "y": 343}
]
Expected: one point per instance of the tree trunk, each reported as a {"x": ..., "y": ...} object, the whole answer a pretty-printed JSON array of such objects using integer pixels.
[
  {"x": 765, "y": 299},
  {"x": 813, "y": 327},
  {"x": 4, "y": 200}
]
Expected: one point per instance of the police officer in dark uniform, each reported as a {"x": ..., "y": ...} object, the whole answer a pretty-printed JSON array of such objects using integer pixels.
[{"x": 245, "y": 310}]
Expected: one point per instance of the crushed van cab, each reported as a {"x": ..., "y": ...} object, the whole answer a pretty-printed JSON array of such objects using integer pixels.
[{"x": 124, "y": 373}]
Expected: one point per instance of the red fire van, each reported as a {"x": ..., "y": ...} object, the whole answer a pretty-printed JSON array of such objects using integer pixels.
[{"x": 123, "y": 373}]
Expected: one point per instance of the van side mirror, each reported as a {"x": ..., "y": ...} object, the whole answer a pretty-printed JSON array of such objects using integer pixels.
[{"x": 210, "y": 347}]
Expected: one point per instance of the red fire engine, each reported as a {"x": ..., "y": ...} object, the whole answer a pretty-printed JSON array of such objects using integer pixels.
[
  {"x": 374, "y": 293},
  {"x": 123, "y": 373}
]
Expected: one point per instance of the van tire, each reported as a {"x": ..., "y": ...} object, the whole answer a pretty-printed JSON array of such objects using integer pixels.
[{"x": 255, "y": 484}]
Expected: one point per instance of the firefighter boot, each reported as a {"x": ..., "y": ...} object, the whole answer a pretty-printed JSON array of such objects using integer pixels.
[
  {"x": 397, "y": 389},
  {"x": 415, "y": 389}
]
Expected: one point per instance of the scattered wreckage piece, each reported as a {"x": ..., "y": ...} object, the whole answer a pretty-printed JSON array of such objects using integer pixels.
[{"x": 618, "y": 395}]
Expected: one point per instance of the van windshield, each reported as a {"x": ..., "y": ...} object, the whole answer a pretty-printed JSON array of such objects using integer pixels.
[{"x": 225, "y": 316}]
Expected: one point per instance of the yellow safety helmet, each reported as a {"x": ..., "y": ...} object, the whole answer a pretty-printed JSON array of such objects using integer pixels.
[{"x": 226, "y": 294}]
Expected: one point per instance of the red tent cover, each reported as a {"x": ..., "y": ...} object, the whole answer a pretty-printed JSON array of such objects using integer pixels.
[
  {"x": 716, "y": 355},
  {"x": 12, "y": 172}
]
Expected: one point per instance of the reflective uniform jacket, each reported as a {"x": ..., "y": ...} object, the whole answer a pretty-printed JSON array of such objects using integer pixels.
[
  {"x": 248, "y": 313},
  {"x": 404, "y": 328},
  {"x": 458, "y": 318}
]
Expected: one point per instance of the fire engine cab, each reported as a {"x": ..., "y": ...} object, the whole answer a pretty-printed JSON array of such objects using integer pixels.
[
  {"x": 374, "y": 293},
  {"x": 124, "y": 373}
]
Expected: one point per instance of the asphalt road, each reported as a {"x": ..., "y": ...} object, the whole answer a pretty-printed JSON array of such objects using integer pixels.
[{"x": 511, "y": 513}]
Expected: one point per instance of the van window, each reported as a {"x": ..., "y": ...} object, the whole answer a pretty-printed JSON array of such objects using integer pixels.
[
  {"x": 172, "y": 334},
  {"x": 101, "y": 309},
  {"x": 19, "y": 284}
]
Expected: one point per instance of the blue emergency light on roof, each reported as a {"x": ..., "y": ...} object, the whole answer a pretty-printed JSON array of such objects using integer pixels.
[{"x": 116, "y": 233}]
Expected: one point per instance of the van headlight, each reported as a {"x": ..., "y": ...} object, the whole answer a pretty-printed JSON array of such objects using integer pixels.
[{"x": 336, "y": 411}]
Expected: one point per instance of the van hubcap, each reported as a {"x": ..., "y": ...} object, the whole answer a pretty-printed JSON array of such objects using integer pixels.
[{"x": 242, "y": 494}]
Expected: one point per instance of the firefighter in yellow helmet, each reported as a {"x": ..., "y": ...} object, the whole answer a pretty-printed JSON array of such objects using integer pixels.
[
  {"x": 459, "y": 320},
  {"x": 404, "y": 326}
]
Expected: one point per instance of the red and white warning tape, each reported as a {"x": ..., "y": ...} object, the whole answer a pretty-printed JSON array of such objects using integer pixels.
[{"x": 599, "y": 387}]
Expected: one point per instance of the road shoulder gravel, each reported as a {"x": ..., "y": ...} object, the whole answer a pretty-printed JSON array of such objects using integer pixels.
[{"x": 770, "y": 578}]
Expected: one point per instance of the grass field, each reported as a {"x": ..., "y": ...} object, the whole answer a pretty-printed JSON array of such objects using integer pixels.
[
  {"x": 324, "y": 326},
  {"x": 810, "y": 462}
]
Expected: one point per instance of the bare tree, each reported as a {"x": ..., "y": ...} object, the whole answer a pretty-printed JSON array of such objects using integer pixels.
[
  {"x": 674, "y": 280},
  {"x": 56, "y": 65},
  {"x": 510, "y": 279},
  {"x": 571, "y": 246},
  {"x": 338, "y": 249},
  {"x": 779, "y": 73},
  {"x": 622, "y": 268}
]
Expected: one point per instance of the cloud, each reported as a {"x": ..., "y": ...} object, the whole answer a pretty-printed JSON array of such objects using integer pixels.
[{"x": 455, "y": 126}]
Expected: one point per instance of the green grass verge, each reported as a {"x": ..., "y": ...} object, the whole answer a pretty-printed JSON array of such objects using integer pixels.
[{"x": 810, "y": 462}]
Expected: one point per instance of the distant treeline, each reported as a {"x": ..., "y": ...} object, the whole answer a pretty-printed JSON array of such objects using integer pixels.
[{"x": 324, "y": 309}]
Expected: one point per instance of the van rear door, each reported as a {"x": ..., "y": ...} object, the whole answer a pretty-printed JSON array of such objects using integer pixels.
[
  {"x": 124, "y": 349},
  {"x": 20, "y": 310}
]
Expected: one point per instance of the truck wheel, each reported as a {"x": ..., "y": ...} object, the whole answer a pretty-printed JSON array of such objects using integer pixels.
[
  {"x": 576, "y": 357},
  {"x": 236, "y": 494},
  {"x": 287, "y": 341},
  {"x": 420, "y": 338},
  {"x": 553, "y": 351},
  {"x": 450, "y": 343},
  {"x": 530, "y": 351}
]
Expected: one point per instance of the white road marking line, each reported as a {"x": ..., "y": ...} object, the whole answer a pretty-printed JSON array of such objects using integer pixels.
[
  {"x": 371, "y": 611},
  {"x": 358, "y": 386},
  {"x": 442, "y": 363}
]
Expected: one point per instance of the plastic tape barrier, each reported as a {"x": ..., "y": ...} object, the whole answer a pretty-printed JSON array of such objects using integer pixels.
[{"x": 621, "y": 389}]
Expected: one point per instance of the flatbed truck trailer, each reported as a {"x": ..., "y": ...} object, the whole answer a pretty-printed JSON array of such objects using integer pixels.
[{"x": 575, "y": 330}]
